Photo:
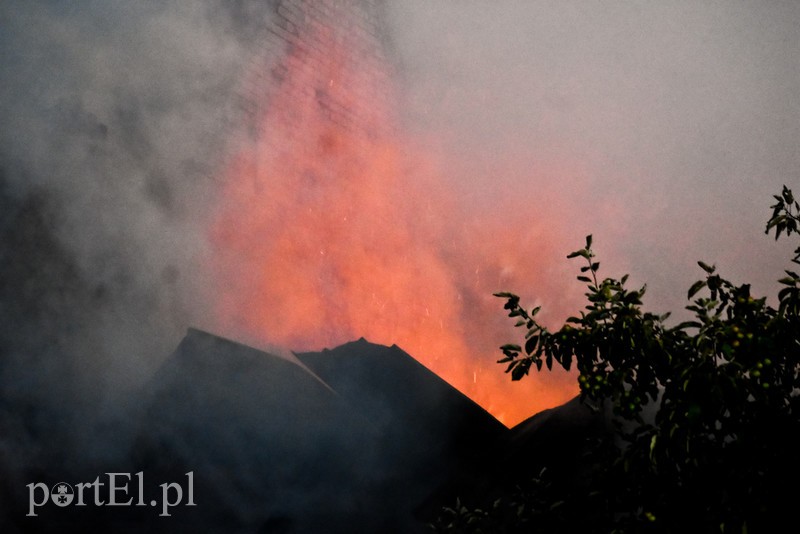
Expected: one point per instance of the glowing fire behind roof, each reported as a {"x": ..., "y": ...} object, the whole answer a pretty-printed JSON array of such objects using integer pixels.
[{"x": 333, "y": 225}]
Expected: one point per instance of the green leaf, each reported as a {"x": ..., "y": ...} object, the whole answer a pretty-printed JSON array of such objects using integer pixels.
[{"x": 776, "y": 219}]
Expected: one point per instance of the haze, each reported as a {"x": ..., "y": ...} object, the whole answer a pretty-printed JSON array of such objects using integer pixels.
[{"x": 662, "y": 128}]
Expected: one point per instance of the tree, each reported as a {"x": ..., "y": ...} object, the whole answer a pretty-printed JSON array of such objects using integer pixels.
[{"x": 707, "y": 433}]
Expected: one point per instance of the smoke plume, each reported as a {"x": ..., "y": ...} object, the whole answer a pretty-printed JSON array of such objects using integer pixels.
[{"x": 134, "y": 197}]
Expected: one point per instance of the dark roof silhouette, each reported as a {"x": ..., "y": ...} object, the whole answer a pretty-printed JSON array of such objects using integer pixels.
[
  {"x": 360, "y": 438},
  {"x": 404, "y": 398},
  {"x": 358, "y": 434},
  {"x": 269, "y": 442}
]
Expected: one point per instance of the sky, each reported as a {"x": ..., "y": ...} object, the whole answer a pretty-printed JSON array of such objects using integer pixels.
[{"x": 662, "y": 128}]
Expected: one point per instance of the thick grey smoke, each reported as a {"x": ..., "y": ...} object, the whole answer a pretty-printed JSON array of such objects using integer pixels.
[
  {"x": 115, "y": 116},
  {"x": 660, "y": 127},
  {"x": 663, "y": 128}
]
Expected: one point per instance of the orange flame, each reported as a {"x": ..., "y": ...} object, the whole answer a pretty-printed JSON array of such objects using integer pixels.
[{"x": 329, "y": 230}]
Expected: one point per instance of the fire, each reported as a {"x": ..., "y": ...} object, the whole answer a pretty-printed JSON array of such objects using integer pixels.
[{"x": 329, "y": 230}]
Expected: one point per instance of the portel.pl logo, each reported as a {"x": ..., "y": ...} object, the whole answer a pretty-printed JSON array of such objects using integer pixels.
[{"x": 113, "y": 492}]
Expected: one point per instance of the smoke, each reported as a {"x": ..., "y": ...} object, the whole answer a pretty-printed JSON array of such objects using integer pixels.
[
  {"x": 334, "y": 223},
  {"x": 149, "y": 182},
  {"x": 114, "y": 119},
  {"x": 661, "y": 129},
  {"x": 522, "y": 130},
  {"x": 116, "y": 115}
]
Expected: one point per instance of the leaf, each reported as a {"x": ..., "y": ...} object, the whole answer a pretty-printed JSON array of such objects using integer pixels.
[
  {"x": 776, "y": 219},
  {"x": 706, "y": 267},
  {"x": 530, "y": 344},
  {"x": 589, "y": 241},
  {"x": 697, "y": 286},
  {"x": 518, "y": 372},
  {"x": 785, "y": 292},
  {"x": 787, "y": 195},
  {"x": 653, "y": 445}
]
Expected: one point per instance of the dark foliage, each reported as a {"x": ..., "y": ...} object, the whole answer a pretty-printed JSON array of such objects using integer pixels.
[{"x": 705, "y": 413}]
